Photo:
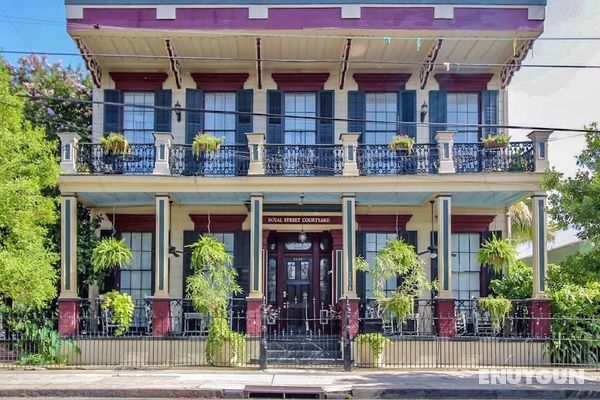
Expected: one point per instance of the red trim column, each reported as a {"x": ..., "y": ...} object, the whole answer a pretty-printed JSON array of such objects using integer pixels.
[
  {"x": 68, "y": 316},
  {"x": 354, "y": 317},
  {"x": 161, "y": 316},
  {"x": 68, "y": 302},
  {"x": 257, "y": 273},
  {"x": 539, "y": 317},
  {"x": 444, "y": 317}
]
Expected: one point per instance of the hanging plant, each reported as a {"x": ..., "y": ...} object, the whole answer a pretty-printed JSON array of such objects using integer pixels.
[
  {"x": 497, "y": 308},
  {"x": 110, "y": 253},
  {"x": 204, "y": 142},
  {"x": 498, "y": 253},
  {"x": 401, "y": 142},
  {"x": 496, "y": 141},
  {"x": 114, "y": 143},
  {"x": 122, "y": 307},
  {"x": 399, "y": 305}
]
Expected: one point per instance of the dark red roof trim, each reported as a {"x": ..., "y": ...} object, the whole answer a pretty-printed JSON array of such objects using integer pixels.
[
  {"x": 133, "y": 222},
  {"x": 218, "y": 223},
  {"x": 226, "y": 82},
  {"x": 381, "y": 82},
  {"x": 463, "y": 82},
  {"x": 382, "y": 223},
  {"x": 138, "y": 80},
  {"x": 471, "y": 223},
  {"x": 300, "y": 82}
]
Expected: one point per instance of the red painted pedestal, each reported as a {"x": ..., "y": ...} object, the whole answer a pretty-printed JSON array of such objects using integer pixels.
[
  {"x": 445, "y": 320},
  {"x": 353, "y": 316},
  {"x": 68, "y": 316},
  {"x": 253, "y": 316},
  {"x": 539, "y": 317},
  {"x": 161, "y": 317}
]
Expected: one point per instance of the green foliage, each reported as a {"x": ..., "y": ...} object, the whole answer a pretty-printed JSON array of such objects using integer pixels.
[
  {"x": 122, "y": 307},
  {"x": 497, "y": 308},
  {"x": 86, "y": 243},
  {"x": 517, "y": 284},
  {"x": 498, "y": 253},
  {"x": 110, "y": 253},
  {"x": 578, "y": 269},
  {"x": 114, "y": 143},
  {"x": 496, "y": 141},
  {"x": 219, "y": 336},
  {"x": 402, "y": 142},
  {"x": 204, "y": 142},
  {"x": 28, "y": 170},
  {"x": 40, "y": 344},
  {"x": 521, "y": 223},
  {"x": 376, "y": 341},
  {"x": 399, "y": 305}
]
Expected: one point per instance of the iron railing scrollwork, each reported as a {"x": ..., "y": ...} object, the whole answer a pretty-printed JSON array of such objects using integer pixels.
[
  {"x": 380, "y": 160},
  {"x": 475, "y": 157},
  {"x": 229, "y": 160},
  {"x": 139, "y": 159},
  {"x": 304, "y": 160}
]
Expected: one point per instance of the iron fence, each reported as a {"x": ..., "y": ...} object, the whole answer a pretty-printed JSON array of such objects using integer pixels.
[
  {"x": 303, "y": 160},
  {"x": 380, "y": 160},
  {"x": 138, "y": 160},
  {"x": 475, "y": 157},
  {"x": 229, "y": 160}
]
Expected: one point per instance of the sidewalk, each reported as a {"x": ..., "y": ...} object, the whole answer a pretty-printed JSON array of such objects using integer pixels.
[{"x": 231, "y": 383}]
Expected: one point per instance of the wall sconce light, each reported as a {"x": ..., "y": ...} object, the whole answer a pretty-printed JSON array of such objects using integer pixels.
[
  {"x": 177, "y": 108},
  {"x": 424, "y": 109}
]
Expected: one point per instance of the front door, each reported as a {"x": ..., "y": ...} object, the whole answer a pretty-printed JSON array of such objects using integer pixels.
[{"x": 298, "y": 295}]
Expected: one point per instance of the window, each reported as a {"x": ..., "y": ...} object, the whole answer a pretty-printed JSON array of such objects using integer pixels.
[
  {"x": 220, "y": 124},
  {"x": 463, "y": 108},
  {"x": 375, "y": 242},
  {"x": 300, "y": 130},
  {"x": 138, "y": 122},
  {"x": 465, "y": 269},
  {"x": 136, "y": 278},
  {"x": 381, "y": 107}
]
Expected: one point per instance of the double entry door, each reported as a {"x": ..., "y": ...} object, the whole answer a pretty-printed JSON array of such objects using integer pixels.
[{"x": 298, "y": 294}]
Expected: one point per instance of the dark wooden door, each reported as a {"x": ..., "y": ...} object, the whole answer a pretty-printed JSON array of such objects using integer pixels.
[{"x": 298, "y": 291}]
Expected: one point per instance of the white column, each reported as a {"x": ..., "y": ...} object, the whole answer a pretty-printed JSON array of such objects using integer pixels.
[
  {"x": 445, "y": 142},
  {"x": 162, "y": 142},
  {"x": 256, "y": 148},
  {"x": 68, "y": 152},
  {"x": 350, "y": 145},
  {"x": 161, "y": 271},
  {"x": 68, "y": 246},
  {"x": 540, "y": 149},
  {"x": 256, "y": 237},
  {"x": 444, "y": 259},
  {"x": 540, "y": 258},
  {"x": 349, "y": 249}
]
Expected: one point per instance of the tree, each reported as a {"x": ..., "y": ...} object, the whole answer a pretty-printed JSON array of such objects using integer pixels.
[{"x": 28, "y": 168}]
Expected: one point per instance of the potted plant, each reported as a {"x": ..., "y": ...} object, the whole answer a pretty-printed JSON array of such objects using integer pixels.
[
  {"x": 110, "y": 253},
  {"x": 118, "y": 308},
  {"x": 114, "y": 144},
  {"x": 210, "y": 287},
  {"x": 496, "y": 141},
  {"x": 204, "y": 142},
  {"x": 370, "y": 349},
  {"x": 498, "y": 253},
  {"x": 497, "y": 308},
  {"x": 401, "y": 142},
  {"x": 82, "y": 168}
]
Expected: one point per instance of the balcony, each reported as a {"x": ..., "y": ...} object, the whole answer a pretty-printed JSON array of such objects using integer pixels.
[{"x": 346, "y": 159}]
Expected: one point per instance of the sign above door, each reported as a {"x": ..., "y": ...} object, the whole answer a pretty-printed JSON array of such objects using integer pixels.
[{"x": 307, "y": 220}]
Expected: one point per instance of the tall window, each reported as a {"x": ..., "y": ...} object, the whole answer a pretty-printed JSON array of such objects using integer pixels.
[
  {"x": 300, "y": 130},
  {"x": 375, "y": 242},
  {"x": 220, "y": 124},
  {"x": 465, "y": 269},
  {"x": 136, "y": 278},
  {"x": 383, "y": 108},
  {"x": 138, "y": 122},
  {"x": 463, "y": 108}
]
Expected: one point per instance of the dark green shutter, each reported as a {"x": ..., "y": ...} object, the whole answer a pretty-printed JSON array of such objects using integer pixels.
[
  {"x": 243, "y": 122},
  {"x": 242, "y": 260},
  {"x": 162, "y": 116},
  {"x": 438, "y": 112},
  {"x": 357, "y": 113},
  {"x": 194, "y": 120},
  {"x": 361, "y": 250},
  {"x": 325, "y": 108},
  {"x": 275, "y": 124},
  {"x": 489, "y": 111},
  {"x": 189, "y": 237},
  {"x": 113, "y": 114},
  {"x": 487, "y": 273},
  {"x": 407, "y": 112}
]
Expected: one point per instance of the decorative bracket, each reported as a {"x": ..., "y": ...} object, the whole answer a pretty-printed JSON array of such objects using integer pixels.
[
  {"x": 344, "y": 63},
  {"x": 90, "y": 62},
  {"x": 429, "y": 63},
  {"x": 514, "y": 64},
  {"x": 174, "y": 61}
]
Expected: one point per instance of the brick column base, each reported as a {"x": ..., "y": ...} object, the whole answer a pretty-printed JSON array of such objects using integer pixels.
[
  {"x": 445, "y": 319},
  {"x": 161, "y": 317},
  {"x": 353, "y": 316},
  {"x": 253, "y": 316},
  {"x": 68, "y": 317},
  {"x": 539, "y": 317}
]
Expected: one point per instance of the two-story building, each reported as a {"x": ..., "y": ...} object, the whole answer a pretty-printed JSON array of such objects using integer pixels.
[{"x": 307, "y": 97}]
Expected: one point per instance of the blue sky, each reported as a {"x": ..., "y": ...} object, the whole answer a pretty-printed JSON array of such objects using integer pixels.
[{"x": 548, "y": 97}]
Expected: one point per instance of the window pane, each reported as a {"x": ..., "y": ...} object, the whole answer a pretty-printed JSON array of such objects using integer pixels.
[
  {"x": 138, "y": 122},
  {"x": 463, "y": 109},
  {"x": 382, "y": 114}
]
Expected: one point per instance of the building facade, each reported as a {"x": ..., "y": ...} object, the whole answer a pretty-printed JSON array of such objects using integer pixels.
[{"x": 307, "y": 98}]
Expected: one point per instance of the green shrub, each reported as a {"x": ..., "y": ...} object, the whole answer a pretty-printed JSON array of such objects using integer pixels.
[
  {"x": 376, "y": 341},
  {"x": 122, "y": 307},
  {"x": 497, "y": 308},
  {"x": 518, "y": 284}
]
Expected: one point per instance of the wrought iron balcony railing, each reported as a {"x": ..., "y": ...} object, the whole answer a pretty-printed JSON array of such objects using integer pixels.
[
  {"x": 139, "y": 159},
  {"x": 375, "y": 159},
  {"x": 227, "y": 161},
  {"x": 303, "y": 160},
  {"x": 474, "y": 157}
]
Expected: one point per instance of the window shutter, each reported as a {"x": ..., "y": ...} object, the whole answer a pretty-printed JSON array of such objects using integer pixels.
[
  {"x": 361, "y": 250},
  {"x": 189, "y": 237},
  {"x": 162, "y": 116},
  {"x": 275, "y": 125},
  {"x": 242, "y": 260},
  {"x": 113, "y": 115},
  {"x": 489, "y": 111},
  {"x": 433, "y": 261},
  {"x": 487, "y": 273},
  {"x": 438, "y": 107},
  {"x": 243, "y": 122},
  {"x": 325, "y": 108},
  {"x": 194, "y": 120},
  {"x": 407, "y": 112},
  {"x": 357, "y": 111}
]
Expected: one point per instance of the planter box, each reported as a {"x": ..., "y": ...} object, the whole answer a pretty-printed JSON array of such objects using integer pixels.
[{"x": 366, "y": 358}]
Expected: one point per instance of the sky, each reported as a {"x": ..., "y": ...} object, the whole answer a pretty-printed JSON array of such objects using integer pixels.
[{"x": 537, "y": 97}]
